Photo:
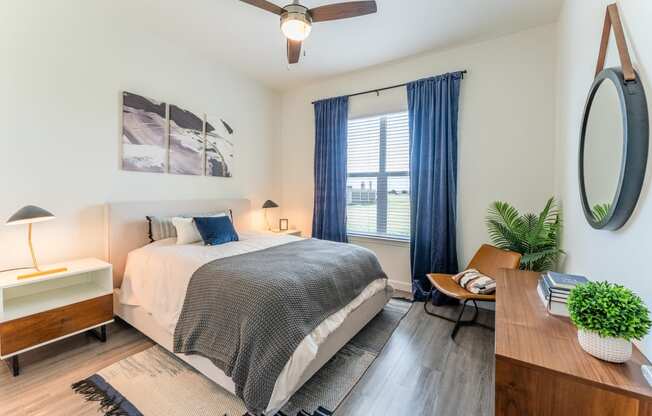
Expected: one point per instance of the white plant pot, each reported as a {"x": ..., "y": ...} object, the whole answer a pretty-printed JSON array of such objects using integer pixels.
[{"x": 615, "y": 350}]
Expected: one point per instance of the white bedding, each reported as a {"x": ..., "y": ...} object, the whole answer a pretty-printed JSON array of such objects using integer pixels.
[{"x": 157, "y": 277}]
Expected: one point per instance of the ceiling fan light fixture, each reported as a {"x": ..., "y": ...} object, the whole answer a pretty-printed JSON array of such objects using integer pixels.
[
  {"x": 296, "y": 23},
  {"x": 297, "y": 20}
]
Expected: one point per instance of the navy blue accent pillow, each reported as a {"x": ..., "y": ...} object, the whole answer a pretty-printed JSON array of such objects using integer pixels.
[{"x": 216, "y": 230}]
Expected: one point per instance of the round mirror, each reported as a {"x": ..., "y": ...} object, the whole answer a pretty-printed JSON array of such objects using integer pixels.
[
  {"x": 613, "y": 149},
  {"x": 603, "y": 150}
]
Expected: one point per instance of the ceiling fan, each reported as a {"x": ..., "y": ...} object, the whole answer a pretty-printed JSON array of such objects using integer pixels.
[{"x": 297, "y": 20}]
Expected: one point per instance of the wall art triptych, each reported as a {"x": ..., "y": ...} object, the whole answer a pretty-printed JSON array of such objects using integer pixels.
[{"x": 161, "y": 137}]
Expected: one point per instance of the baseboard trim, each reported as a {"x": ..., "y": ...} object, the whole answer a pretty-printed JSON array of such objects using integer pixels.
[{"x": 398, "y": 285}]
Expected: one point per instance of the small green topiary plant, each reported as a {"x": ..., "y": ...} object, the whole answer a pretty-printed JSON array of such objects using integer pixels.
[{"x": 610, "y": 310}]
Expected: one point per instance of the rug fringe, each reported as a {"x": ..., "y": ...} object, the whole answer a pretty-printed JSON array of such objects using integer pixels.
[{"x": 92, "y": 393}]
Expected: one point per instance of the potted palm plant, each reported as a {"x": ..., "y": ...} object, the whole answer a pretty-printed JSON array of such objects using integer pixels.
[
  {"x": 608, "y": 317},
  {"x": 535, "y": 236}
]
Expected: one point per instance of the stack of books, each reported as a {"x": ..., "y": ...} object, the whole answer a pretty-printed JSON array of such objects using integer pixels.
[{"x": 554, "y": 288}]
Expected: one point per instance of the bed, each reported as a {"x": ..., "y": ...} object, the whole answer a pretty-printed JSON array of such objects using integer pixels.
[{"x": 158, "y": 274}]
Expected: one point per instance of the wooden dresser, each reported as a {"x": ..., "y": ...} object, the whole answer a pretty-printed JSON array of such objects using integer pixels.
[
  {"x": 41, "y": 310},
  {"x": 541, "y": 370}
]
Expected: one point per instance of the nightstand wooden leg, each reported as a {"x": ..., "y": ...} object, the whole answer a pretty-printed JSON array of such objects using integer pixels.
[
  {"x": 13, "y": 365},
  {"x": 101, "y": 335}
]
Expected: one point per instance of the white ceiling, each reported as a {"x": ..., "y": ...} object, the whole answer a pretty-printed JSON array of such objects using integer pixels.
[{"x": 249, "y": 39}]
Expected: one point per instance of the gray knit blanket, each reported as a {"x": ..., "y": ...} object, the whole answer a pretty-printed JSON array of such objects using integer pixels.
[{"x": 249, "y": 313}]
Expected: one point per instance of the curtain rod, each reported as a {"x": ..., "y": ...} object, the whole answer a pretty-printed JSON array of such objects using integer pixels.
[{"x": 378, "y": 90}]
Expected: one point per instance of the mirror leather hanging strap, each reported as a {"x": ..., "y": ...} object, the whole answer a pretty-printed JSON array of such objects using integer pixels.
[{"x": 612, "y": 19}]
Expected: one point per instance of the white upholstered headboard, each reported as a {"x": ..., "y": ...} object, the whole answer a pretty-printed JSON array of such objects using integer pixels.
[{"x": 127, "y": 227}]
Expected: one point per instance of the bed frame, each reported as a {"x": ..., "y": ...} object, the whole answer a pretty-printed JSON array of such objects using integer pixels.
[{"x": 127, "y": 230}]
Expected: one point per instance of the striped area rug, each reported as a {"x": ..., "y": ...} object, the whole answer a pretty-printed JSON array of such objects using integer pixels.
[{"x": 155, "y": 382}]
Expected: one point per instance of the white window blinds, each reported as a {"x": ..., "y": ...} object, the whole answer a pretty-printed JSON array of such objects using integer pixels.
[{"x": 378, "y": 185}]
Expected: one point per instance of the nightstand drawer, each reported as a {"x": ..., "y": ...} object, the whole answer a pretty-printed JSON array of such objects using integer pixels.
[{"x": 33, "y": 330}]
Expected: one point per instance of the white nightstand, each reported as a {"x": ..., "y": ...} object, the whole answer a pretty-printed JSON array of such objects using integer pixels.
[
  {"x": 38, "y": 311},
  {"x": 286, "y": 232}
]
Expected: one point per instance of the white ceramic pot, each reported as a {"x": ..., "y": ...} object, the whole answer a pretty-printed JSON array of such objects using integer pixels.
[{"x": 615, "y": 350}]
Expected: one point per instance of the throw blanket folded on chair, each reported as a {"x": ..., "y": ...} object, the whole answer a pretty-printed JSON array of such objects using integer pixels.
[
  {"x": 475, "y": 282},
  {"x": 249, "y": 313}
]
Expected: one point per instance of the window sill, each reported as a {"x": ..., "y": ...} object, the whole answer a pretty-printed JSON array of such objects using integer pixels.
[{"x": 400, "y": 242}]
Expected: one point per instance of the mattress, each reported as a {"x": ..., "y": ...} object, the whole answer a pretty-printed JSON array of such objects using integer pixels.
[{"x": 154, "y": 289}]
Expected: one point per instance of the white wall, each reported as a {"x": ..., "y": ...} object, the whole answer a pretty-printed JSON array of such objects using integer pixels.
[
  {"x": 506, "y": 134},
  {"x": 621, "y": 256},
  {"x": 64, "y": 65}
]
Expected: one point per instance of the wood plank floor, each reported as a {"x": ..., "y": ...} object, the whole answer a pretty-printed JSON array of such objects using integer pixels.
[{"x": 421, "y": 371}]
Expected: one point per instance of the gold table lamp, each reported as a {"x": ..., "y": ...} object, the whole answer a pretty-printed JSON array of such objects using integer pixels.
[{"x": 29, "y": 215}]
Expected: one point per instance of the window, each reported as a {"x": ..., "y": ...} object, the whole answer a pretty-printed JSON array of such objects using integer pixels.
[{"x": 378, "y": 183}]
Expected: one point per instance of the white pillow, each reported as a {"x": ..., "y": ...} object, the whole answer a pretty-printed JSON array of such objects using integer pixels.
[{"x": 187, "y": 232}]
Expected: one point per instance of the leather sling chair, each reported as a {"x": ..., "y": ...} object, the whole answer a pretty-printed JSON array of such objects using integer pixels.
[{"x": 488, "y": 261}]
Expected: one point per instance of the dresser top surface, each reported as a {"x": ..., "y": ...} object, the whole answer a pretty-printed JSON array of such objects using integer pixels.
[{"x": 528, "y": 334}]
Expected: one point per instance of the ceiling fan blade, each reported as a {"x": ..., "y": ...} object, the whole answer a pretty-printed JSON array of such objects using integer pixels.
[
  {"x": 343, "y": 10},
  {"x": 294, "y": 51},
  {"x": 265, "y": 5}
]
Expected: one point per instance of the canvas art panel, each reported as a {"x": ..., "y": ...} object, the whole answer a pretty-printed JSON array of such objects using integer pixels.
[
  {"x": 144, "y": 140},
  {"x": 186, "y": 142},
  {"x": 160, "y": 137},
  {"x": 219, "y": 147}
]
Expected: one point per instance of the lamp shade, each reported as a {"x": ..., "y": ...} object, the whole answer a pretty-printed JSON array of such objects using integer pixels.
[
  {"x": 29, "y": 214},
  {"x": 270, "y": 204}
]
